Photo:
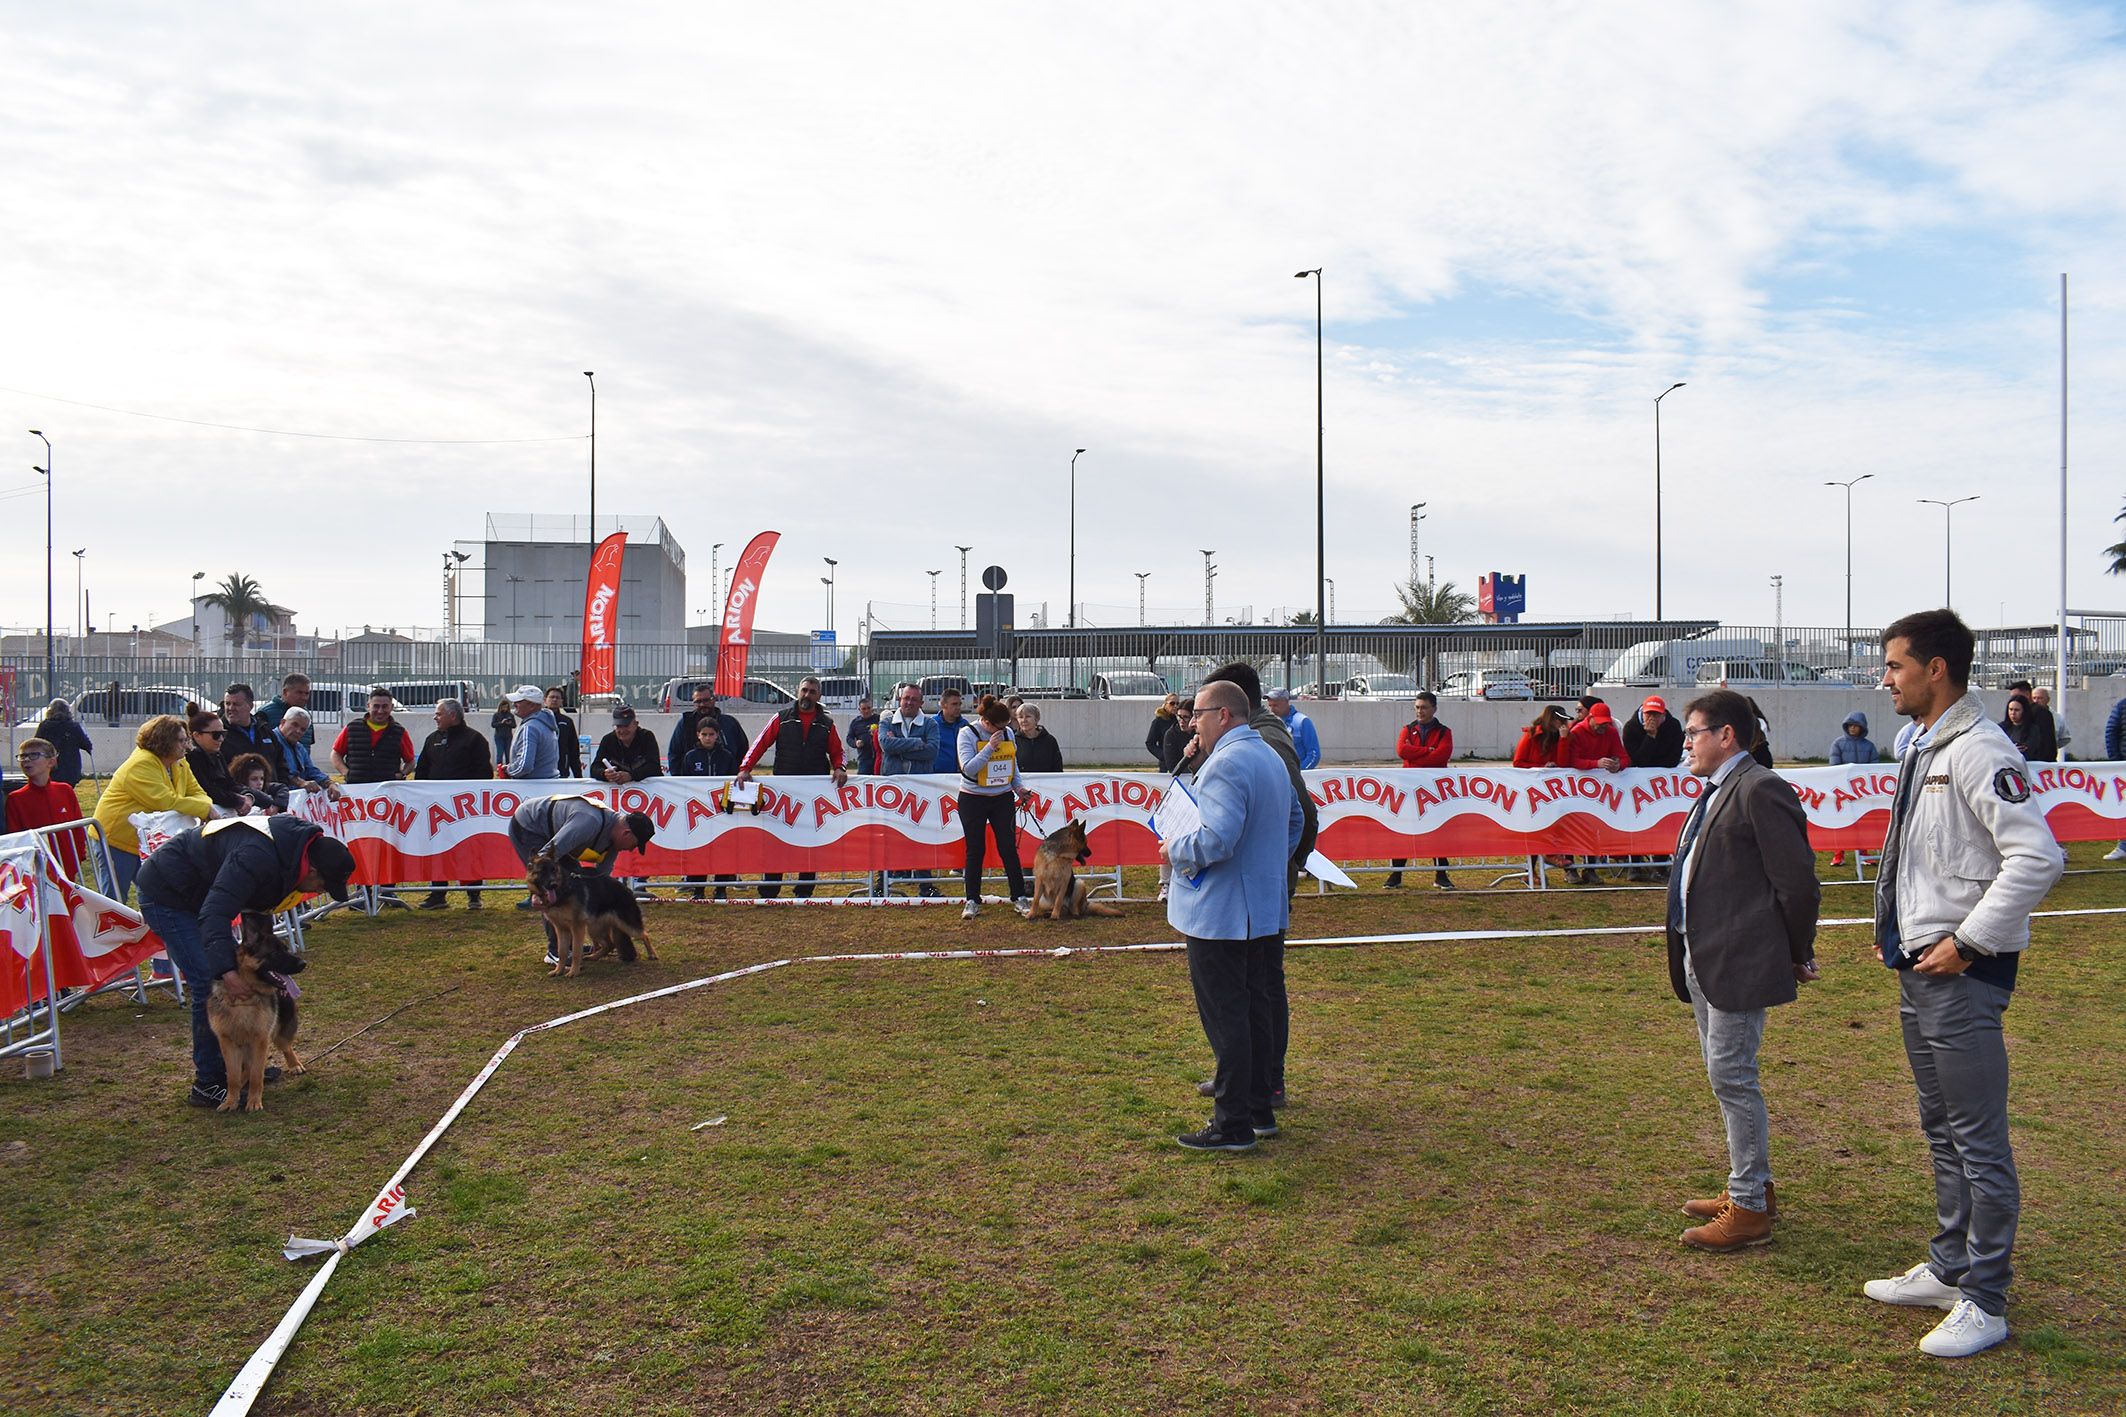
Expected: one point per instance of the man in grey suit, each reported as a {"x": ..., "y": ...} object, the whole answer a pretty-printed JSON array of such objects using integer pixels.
[{"x": 1742, "y": 904}]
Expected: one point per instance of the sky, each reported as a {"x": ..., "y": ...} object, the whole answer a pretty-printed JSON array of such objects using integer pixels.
[{"x": 868, "y": 275}]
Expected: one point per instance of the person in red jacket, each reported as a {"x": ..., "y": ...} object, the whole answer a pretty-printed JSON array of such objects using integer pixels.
[
  {"x": 41, "y": 802},
  {"x": 1593, "y": 743},
  {"x": 1425, "y": 742},
  {"x": 1541, "y": 740}
]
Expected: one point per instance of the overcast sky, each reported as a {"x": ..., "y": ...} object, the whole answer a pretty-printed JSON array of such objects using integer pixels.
[{"x": 866, "y": 275}]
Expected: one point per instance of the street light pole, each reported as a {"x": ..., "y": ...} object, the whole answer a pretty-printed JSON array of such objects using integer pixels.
[
  {"x": 934, "y": 596},
  {"x": 1140, "y": 575},
  {"x": 1071, "y": 616},
  {"x": 1657, "y": 494},
  {"x": 963, "y": 550},
  {"x": 1948, "y": 511},
  {"x": 1848, "y": 486},
  {"x": 829, "y": 580},
  {"x": 1321, "y": 557},
  {"x": 51, "y": 655},
  {"x": 594, "y": 461}
]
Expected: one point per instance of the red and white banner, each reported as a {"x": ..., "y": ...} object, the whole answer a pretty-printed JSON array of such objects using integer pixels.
[
  {"x": 93, "y": 937},
  {"x": 736, "y": 642},
  {"x": 601, "y": 615},
  {"x": 421, "y": 831}
]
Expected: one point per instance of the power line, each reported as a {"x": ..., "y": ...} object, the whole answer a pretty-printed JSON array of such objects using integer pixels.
[{"x": 281, "y": 432}]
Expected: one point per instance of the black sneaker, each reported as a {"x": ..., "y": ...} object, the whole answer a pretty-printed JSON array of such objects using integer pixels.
[
  {"x": 1394, "y": 881},
  {"x": 472, "y": 900},
  {"x": 1207, "y": 1088},
  {"x": 212, "y": 1095},
  {"x": 434, "y": 900},
  {"x": 1444, "y": 881},
  {"x": 527, "y": 904},
  {"x": 1211, "y": 1139},
  {"x": 1267, "y": 1129}
]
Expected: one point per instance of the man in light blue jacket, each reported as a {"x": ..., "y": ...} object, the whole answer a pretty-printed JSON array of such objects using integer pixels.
[{"x": 1228, "y": 899}]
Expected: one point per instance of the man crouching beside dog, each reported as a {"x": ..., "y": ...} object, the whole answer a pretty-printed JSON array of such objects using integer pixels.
[
  {"x": 579, "y": 832},
  {"x": 204, "y": 878}
]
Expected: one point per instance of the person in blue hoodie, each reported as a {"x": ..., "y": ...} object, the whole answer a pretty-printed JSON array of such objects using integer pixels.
[
  {"x": 1853, "y": 748},
  {"x": 710, "y": 757}
]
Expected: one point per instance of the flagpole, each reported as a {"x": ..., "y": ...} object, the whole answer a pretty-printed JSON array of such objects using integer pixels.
[{"x": 2059, "y": 707}]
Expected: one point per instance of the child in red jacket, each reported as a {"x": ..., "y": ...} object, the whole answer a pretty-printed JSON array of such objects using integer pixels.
[
  {"x": 1424, "y": 743},
  {"x": 1593, "y": 742}
]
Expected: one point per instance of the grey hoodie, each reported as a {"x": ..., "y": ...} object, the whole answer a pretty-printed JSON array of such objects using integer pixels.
[{"x": 1849, "y": 750}]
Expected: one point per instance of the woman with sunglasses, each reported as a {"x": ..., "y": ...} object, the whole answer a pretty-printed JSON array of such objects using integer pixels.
[{"x": 205, "y": 760}]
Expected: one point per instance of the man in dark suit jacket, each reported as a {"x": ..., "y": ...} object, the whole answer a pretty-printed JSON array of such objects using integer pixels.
[{"x": 1742, "y": 903}]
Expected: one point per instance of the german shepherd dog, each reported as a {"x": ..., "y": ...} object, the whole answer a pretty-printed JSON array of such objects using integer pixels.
[
  {"x": 1056, "y": 887},
  {"x": 244, "y": 1027},
  {"x": 591, "y": 914}
]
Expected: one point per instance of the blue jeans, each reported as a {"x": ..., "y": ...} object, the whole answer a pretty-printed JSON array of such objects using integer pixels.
[
  {"x": 125, "y": 865},
  {"x": 179, "y": 930}
]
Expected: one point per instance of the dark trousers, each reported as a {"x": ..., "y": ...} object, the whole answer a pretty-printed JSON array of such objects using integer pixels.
[
  {"x": 181, "y": 939},
  {"x": 1952, "y": 1029},
  {"x": 1236, "y": 1002},
  {"x": 771, "y": 885},
  {"x": 999, "y": 814}
]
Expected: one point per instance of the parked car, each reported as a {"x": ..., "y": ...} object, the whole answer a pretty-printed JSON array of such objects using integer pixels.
[
  {"x": 1488, "y": 684},
  {"x": 1129, "y": 684},
  {"x": 338, "y": 700},
  {"x": 1564, "y": 681},
  {"x": 1378, "y": 686},
  {"x": 765, "y": 693},
  {"x": 677, "y": 695},
  {"x": 933, "y": 685},
  {"x": 842, "y": 692},
  {"x": 427, "y": 693},
  {"x": 1857, "y": 676},
  {"x": 1763, "y": 674},
  {"x": 94, "y": 706}
]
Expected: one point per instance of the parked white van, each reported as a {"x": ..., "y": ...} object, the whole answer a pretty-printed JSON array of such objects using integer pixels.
[{"x": 1655, "y": 662}]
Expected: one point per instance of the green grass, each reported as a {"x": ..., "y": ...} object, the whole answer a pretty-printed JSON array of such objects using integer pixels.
[{"x": 951, "y": 1187}]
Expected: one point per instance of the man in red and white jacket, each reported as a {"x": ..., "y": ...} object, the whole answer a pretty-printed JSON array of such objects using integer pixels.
[{"x": 1425, "y": 742}]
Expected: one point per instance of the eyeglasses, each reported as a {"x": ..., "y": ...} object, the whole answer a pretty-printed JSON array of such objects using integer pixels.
[
  {"x": 1690, "y": 733},
  {"x": 33, "y": 757},
  {"x": 208, "y": 733}
]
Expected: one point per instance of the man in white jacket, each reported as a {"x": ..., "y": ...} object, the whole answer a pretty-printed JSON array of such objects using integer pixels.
[{"x": 1968, "y": 856}]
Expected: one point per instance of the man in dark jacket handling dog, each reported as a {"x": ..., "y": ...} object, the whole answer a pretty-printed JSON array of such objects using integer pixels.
[
  {"x": 579, "y": 832},
  {"x": 201, "y": 880}
]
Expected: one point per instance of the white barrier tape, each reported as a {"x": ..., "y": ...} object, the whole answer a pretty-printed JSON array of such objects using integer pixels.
[{"x": 389, "y": 1206}]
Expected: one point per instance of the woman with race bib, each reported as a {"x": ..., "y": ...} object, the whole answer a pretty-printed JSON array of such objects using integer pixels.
[{"x": 990, "y": 791}]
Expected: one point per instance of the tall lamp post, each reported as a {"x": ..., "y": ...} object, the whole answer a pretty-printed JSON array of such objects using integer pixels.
[
  {"x": 80, "y": 613},
  {"x": 1321, "y": 558},
  {"x": 1848, "y": 486},
  {"x": 51, "y": 651},
  {"x": 1948, "y": 546},
  {"x": 197, "y": 577},
  {"x": 963, "y": 550},
  {"x": 828, "y": 581},
  {"x": 594, "y": 460},
  {"x": 1071, "y": 616},
  {"x": 1657, "y": 494},
  {"x": 1141, "y": 577},
  {"x": 933, "y": 596}
]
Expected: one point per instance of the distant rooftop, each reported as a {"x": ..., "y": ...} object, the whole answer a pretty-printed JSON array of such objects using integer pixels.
[{"x": 531, "y": 527}]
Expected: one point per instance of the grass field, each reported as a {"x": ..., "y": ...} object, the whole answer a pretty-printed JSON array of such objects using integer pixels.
[{"x": 951, "y": 1187}]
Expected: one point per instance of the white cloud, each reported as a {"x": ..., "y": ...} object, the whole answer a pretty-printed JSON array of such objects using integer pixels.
[{"x": 821, "y": 259}]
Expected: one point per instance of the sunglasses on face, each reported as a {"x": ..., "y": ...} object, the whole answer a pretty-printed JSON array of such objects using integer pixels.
[{"x": 208, "y": 733}]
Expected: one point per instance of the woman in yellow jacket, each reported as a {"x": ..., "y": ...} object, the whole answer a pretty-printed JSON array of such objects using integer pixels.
[{"x": 154, "y": 779}]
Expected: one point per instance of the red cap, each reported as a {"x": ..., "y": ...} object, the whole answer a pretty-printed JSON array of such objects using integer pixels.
[
  {"x": 1655, "y": 704},
  {"x": 1598, "y": 713}
]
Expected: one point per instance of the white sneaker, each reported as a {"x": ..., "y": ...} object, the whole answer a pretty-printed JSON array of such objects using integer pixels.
[
  {"x": 1968, "y": 1330},
  {"x": 1162, "y": 892},
  {"x": 970, "y": 910},
  {"x": 1024, "y": 907},
  {"x": 2117, "y": 853},
  {"x": 1917, "y": 1287}
]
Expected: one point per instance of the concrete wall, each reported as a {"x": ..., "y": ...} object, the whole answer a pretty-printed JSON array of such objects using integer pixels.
[
  {"x": 548, "y": 603},
  {"x": 1804, "y": 724}
]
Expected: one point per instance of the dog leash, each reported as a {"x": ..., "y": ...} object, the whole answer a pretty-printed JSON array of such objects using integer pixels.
[{"x": 315, "y": 1057}]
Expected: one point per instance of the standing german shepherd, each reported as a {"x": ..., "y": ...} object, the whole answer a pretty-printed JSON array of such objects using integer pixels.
[
  {"x": 591, "y": 914},
  {"x": 244, "y": 1027},
  {"x": 1056, "y": 887}
]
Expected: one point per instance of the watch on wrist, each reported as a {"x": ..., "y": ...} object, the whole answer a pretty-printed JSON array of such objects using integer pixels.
[{"x": 1963, "y": 951}]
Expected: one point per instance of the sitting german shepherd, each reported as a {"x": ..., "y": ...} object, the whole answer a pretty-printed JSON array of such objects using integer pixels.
[
  {"x": 1056, "y": 887},
  {"x": 591, "y": 914},
  {"x": 243, "y": 1027}
]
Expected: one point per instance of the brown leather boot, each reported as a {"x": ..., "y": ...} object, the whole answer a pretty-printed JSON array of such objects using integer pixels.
[
  {"x": 1706, "y": 1210},
  {"x": 1734, "y": 1228}
]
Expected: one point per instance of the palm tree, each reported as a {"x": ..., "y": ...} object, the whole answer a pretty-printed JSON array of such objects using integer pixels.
[
  {"x": 240, "y": 598},
  {"x": 1425, "y": 603},
  {"x": 2117, "y": 552}
]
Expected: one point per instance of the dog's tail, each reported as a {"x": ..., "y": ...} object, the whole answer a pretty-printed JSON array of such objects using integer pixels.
[{"x": 1101, "y": 907}]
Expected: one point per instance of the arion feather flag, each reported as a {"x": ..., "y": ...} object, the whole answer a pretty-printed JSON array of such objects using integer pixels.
[
  {"x": 601, "y": 615},
  {"x": 737, "y": 639}
]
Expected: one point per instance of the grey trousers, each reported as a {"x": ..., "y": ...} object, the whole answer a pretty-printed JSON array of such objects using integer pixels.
[
  {"x": 1729, "y": 1043},
  {"x": 1952, "y": 1028}
]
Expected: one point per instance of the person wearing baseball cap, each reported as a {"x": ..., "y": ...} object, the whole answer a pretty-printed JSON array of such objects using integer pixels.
[
  {"x": 202, "y": 879},
  {"x": 1654, "y": 739},
  {"x": 535, "y": 748},
  {"x": 1592, "y": 742},
  {"x": 627, "y": 754}
]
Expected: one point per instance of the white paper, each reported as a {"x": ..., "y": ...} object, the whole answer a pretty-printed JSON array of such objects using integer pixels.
[
  {"x": 744, "y": 794},
  {"x": 1321, "y": 868},
  {"x": 1177, "y": 815}
]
